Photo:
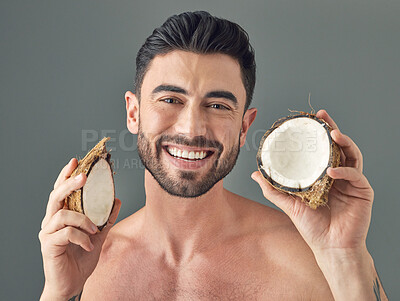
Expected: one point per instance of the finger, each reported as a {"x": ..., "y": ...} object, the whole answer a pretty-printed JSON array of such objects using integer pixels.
[
  {"x": 342, "y": 157},
  {"x": 280, "y": 199},
  {"x": 58, "y": 195},
  {"x": 325, "y": 116},
  {"x": 71, "y": 235},
  {"x": 344, "y": 187},
  {"x": 100, "y": 237},
  {"x": 64, "y": 218},
  {"x": 353, "y": 155},
  {"x": 66, "y": 172},
  {"x": 353, "y": 175},
  {"x": 114, "y": 214}
]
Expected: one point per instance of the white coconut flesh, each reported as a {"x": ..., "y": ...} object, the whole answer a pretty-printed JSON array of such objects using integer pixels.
[
  {"x": 98, "y": 193},
  {"x": 296, "y": 153}
]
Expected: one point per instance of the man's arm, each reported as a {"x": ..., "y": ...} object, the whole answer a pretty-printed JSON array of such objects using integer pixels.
[
  {"x": 351, "y": 276},
  {"x": 76, "y": 298},
  {"x": 70, "y": 242},
  {"x": 337, "y": 233}
]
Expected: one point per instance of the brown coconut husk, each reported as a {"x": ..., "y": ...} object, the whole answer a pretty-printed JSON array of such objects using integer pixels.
[
  {"x": 316, "y": 194},
  {"x": 74, "y": 200}
]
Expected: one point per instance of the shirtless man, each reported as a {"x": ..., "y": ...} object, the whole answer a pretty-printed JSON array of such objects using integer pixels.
[{"x": 195, "y": 240}]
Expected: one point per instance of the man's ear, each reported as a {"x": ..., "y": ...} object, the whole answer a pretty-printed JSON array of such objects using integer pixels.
[
  {"x": 248, "y": 119},
  {"x": 132, "y": 112}
]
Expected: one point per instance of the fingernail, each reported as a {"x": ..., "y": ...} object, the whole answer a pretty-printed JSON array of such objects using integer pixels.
[
  {"x": 94, "y": 228},
  {"x": 79, "y": 177}
]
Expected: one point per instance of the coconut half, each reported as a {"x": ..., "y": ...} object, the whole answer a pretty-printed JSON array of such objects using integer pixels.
[
  {"x": 96, "y": 198},
  {"x": 294, "y": 155}
]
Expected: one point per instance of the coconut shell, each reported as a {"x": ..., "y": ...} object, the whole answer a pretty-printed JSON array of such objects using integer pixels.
[
  {"x": 74, "y": 200},
  {"x": 316, "y": 194}
]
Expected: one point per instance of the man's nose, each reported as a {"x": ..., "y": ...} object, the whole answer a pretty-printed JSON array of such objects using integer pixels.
[{"x": 191, "y": 122}]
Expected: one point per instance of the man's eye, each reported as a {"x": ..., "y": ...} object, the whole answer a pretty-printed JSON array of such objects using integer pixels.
[
  {"x": 219, "y": 106},
  {"x": 170, "y": 100}
]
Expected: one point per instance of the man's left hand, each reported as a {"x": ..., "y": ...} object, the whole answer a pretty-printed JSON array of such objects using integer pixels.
[{"x": 344, "y": 223}]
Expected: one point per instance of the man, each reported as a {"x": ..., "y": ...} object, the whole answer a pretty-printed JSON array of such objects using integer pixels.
[{"x": 195, "y": 240}]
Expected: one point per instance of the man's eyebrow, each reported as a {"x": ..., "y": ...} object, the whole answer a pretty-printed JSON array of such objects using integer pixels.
[
  {"x": 168, "y": 88},
  {"x": 222, "y": 94}
]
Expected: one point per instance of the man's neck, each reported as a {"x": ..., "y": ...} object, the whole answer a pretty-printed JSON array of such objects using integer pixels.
[{"x": 181, "y": 227}]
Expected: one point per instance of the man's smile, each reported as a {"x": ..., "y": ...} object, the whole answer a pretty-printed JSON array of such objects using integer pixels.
[
  {"x": 185, "y": 157},
  {"x": 188, "y": 153}
]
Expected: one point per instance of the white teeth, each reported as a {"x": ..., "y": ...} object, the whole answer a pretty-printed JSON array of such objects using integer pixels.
[
  {"x": 173, "y": 151},
  {"x": 185, "y": 154}
]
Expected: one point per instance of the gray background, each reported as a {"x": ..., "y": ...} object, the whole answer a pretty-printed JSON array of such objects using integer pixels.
[{"x": 65, "y": 66}]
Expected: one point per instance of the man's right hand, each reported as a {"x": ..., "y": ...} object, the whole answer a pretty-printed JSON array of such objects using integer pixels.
[{"x": 70, "y": 242}]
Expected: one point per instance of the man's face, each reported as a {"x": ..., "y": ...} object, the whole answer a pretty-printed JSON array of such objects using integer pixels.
[{"x": 190, "y": 120}]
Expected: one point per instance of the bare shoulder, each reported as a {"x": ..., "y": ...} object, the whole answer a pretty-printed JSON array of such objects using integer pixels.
[
  {"x": 116, "y": 256},
  {"x": 122, "y": 236},
  {"x": 285, "y": 248},
  {"x": 260, "y": 217}
]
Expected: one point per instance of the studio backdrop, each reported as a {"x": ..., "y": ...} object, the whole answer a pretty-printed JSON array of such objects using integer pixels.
[{"x": 65, "y": 66}]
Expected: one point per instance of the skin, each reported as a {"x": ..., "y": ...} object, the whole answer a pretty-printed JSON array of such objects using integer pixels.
[{"x": 218, "y": 245}]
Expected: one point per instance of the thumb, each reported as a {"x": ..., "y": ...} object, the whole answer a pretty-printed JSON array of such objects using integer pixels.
[
  {"x": 282, "y": 200},
  {"x": 111, "y": 220}
]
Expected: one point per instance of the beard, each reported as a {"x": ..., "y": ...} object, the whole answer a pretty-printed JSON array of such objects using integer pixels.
[{"x": 186, "y": 183}]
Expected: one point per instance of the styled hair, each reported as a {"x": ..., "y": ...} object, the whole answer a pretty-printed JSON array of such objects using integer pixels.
[{"x": 202, "y": 33}]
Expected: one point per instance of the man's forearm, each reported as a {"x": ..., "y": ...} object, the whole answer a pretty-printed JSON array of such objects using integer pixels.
[
  {"x": 351, "y": 275},
  {"x": 47, "y": 296},
  {"x": 76, "y": 298}
]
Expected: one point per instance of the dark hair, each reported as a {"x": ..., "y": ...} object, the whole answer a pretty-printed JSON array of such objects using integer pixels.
[{"x": 202, "y": 33}]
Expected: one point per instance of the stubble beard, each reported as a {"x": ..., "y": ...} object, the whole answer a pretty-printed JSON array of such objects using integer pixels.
[{"x": 186, "y": 184}]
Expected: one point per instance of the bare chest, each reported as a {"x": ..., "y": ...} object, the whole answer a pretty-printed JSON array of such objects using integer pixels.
[{"x": 223, "y": 277}]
